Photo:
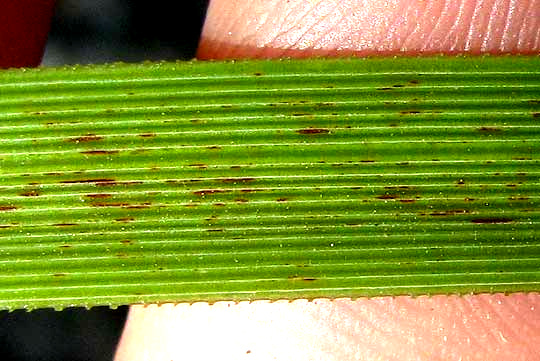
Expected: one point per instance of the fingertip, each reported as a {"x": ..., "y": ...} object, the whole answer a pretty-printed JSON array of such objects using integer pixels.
[
  {"x": 297, "y": 28},
  {"x": 474, "y": 327}
]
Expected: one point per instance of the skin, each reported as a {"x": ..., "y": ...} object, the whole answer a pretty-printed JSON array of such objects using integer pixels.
[
  {"x": 444, "y": 327},
  {"x": 277, "y": 28}
]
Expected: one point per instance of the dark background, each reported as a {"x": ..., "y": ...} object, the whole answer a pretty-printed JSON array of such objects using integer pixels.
[{"x": 98, "y": 31}]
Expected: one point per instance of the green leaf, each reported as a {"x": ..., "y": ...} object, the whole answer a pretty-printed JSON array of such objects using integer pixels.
[{"x": 206, "y": 181}]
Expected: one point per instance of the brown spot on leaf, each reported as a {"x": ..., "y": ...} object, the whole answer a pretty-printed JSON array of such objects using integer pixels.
[
  {"x": 6, "y": 208},
  {"x": 139, "y": 206},
  {"x": 414, "y": 81},
  {"x": 125, "y": 219},
  {"x": 467, "y": 199},
  {"x": 53, "y": 174},
  {"x": 215, "y": 230},
  {"x": 241, "y": 200},
  {"x": 85, "y": 138},
  {"x": 321, "y": 104},
  {"x": 367, "y": 161},
  {"x": 518, "y": 198},
  {"x": 121, "y": 255},
  {"x": 126, "y": 242},
  {"x": 511, "y": 185},
  {"x": 398, "y": 86},
  {"x": 99, "y": 195},
  {"x": 237, "y": 180},
  {"x": 106, "y": 184},
  {"x": 300, "y": 278},
  {"x": 219, "y": 204},
  {"x": 489, "y": 129},
  {"x": 248, "y": 190},
  {"x": 130, "y": 183},
  {"x": 198, "y": 165},
  {"x": 460, "y": 182},
  {"x": 384, "y": 88},
  {"x": 406, "y": 112},
  {"x": 204, "y": 192},
  {"x": 65, "y": 246},
  {"x": 536, "y": 115},
  {"x": 257, "y": 73},
  {"x": 521, "y": 158},
  {"x": 236, "y": 167},
  {"x": 99, "y": 152},
  {"x": 213, "y": 147},
  {"x": 492, "y": 220},
  {"x": 30, "y": 193},
  {"x": 147, "y": 135},
  {"x": 397, "y": 187},
  {"x": 313, "y": 131},
  {"x": 407, "y": 200},
  {"x": 59, "y": 275},
  {"x": 388, "y": 196},
  {"x": 282, "y": 199},
  {"x": 90, "y": 180},
  {"x": 450, "y": 212},
  {"x": 65, "y": 224},
  {"x": 113, "y": 183},
  {"x": 104, "y": 204}
]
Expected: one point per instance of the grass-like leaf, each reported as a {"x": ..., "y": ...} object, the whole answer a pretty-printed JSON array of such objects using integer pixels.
[{"x": 203, "y": 181}]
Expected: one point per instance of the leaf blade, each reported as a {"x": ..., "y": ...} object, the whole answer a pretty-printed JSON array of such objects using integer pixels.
[{"x": 268, "y": 179}]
